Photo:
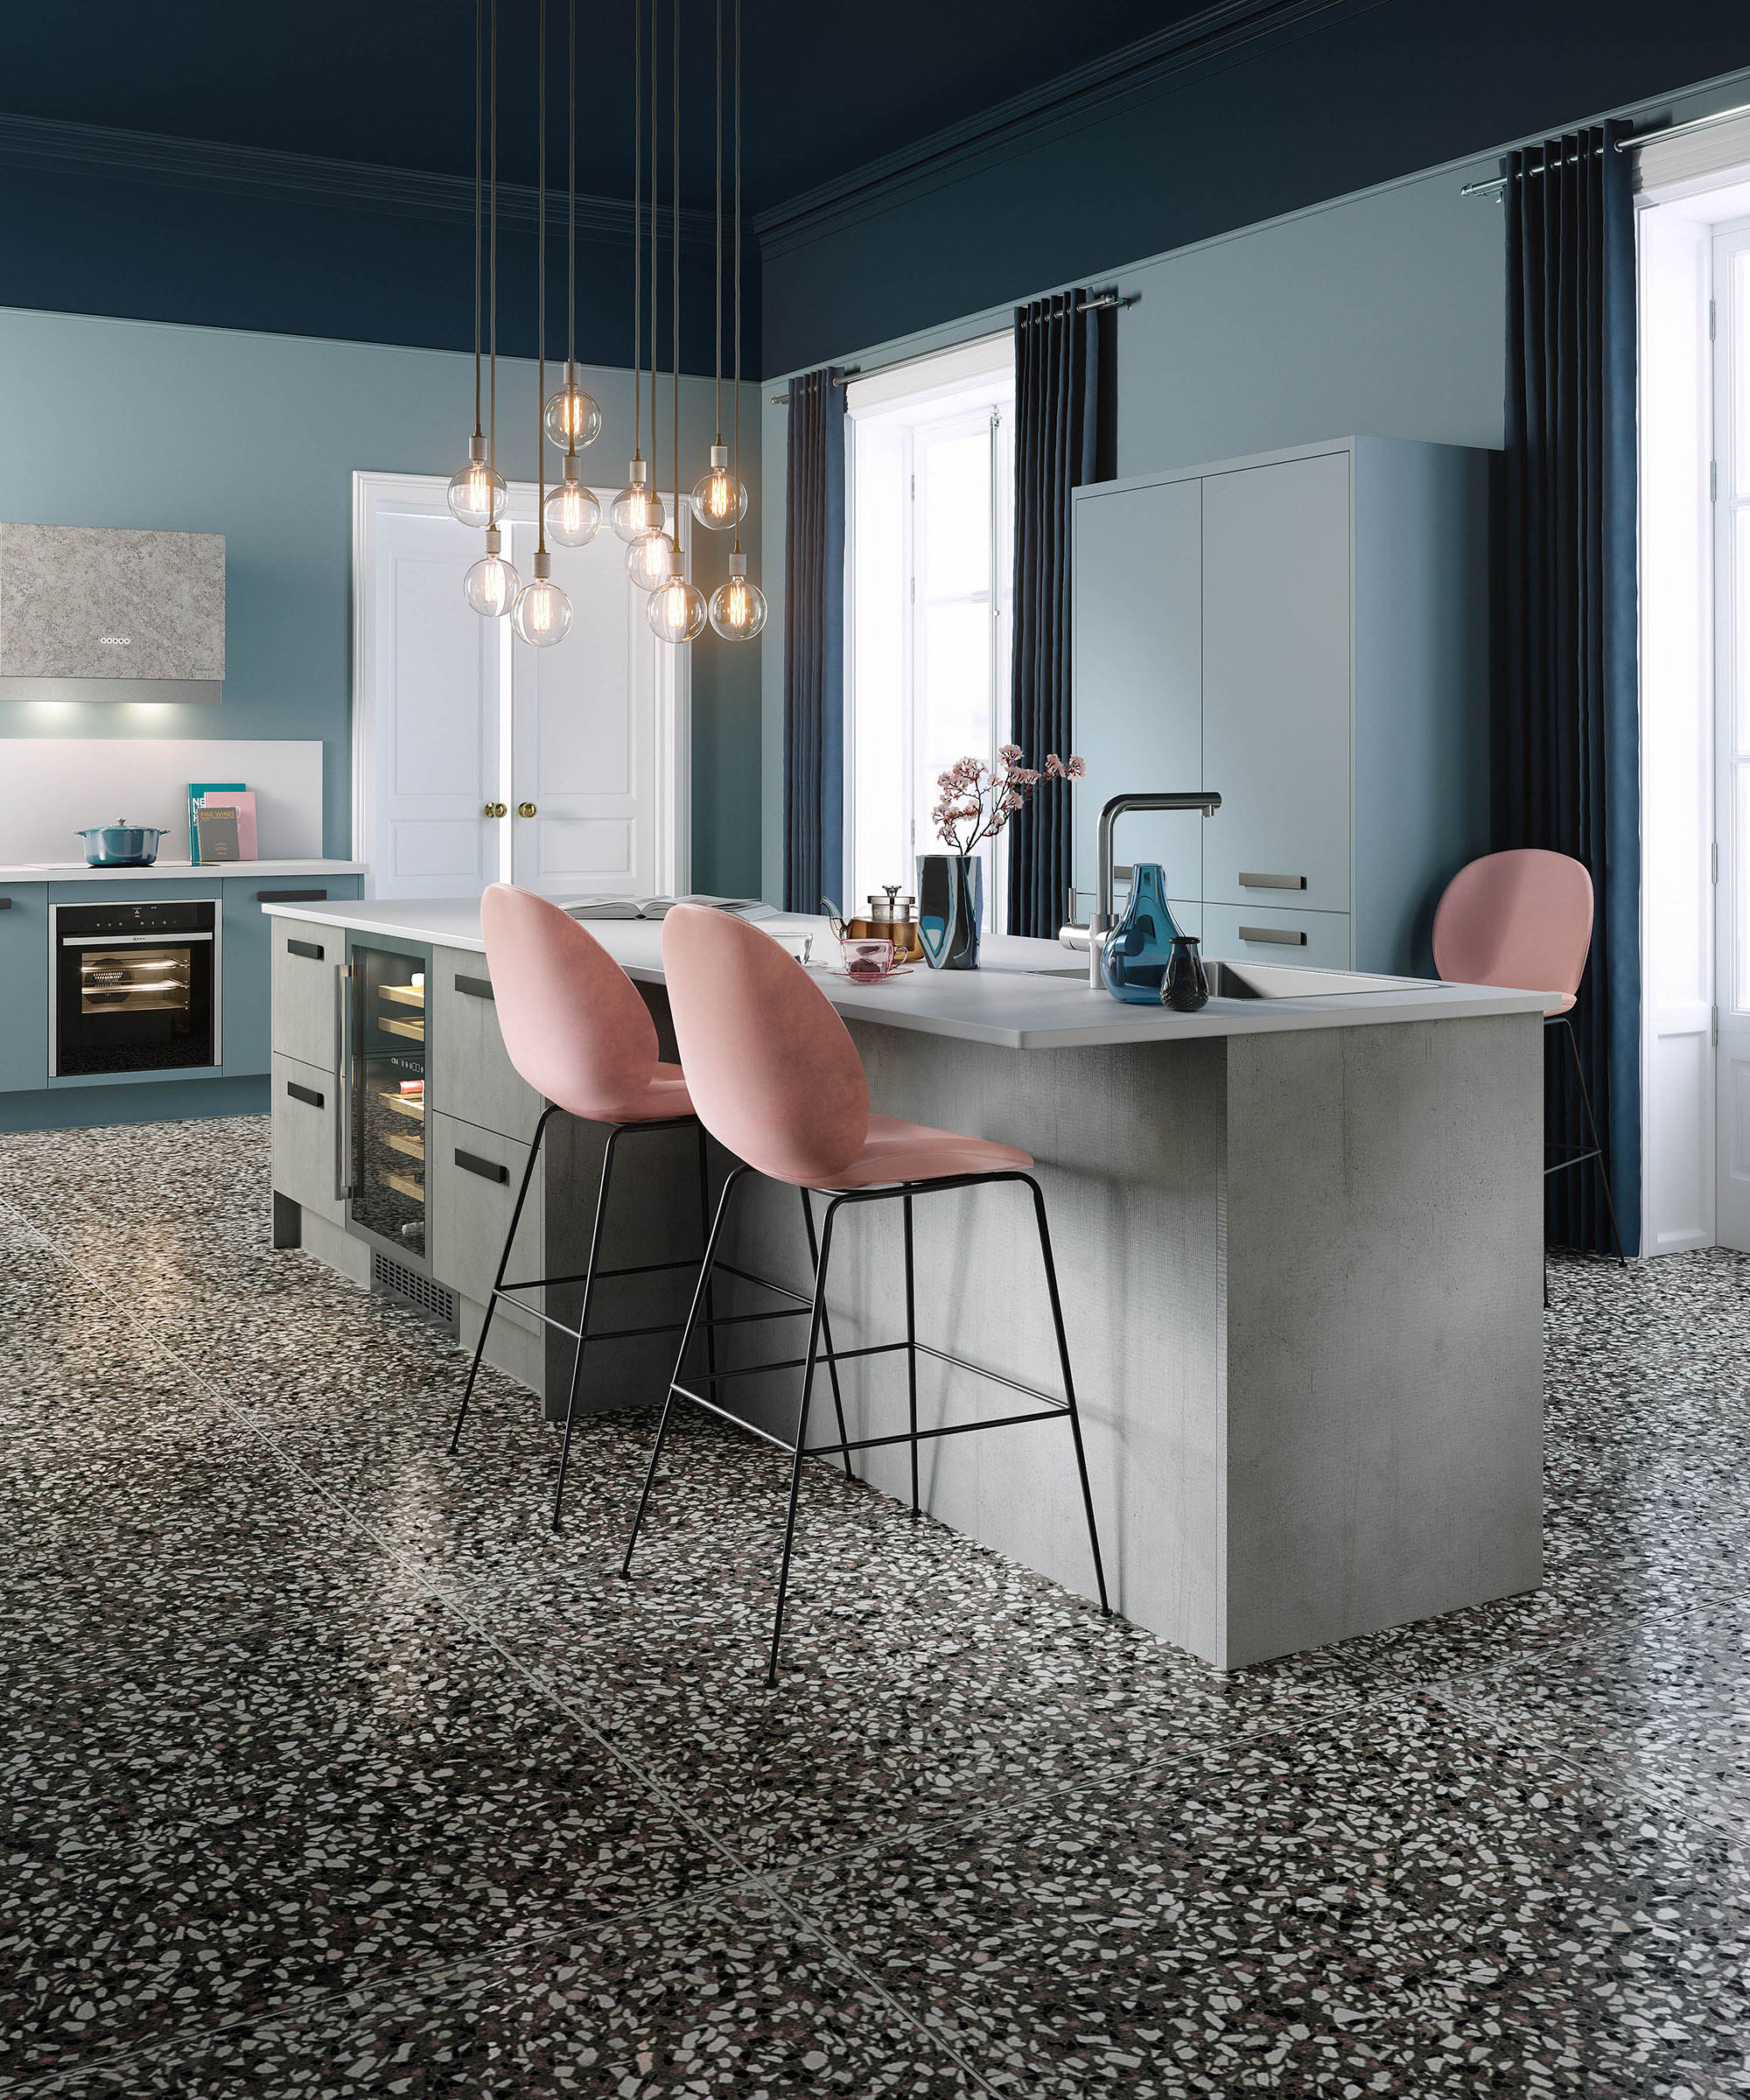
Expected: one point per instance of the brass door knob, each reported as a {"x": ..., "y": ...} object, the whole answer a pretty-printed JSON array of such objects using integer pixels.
[
  {"x": 496, "y": 809},
  {"x": 525, "y": 808}
]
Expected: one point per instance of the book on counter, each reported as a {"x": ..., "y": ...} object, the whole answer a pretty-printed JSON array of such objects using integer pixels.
[
  {"x": 198, "y": 793},
  {"x": 659, "y": 908}
]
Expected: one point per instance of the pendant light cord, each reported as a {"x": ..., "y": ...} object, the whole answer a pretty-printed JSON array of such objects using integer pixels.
[
  {"x": 675, "y": 243},
  {"x": 480, "y": 11},
  {"x": 718, "y": 171},
  {"x": 491, "y": 279},
  {"x": 637, "y": 226},
  {"x": 540, "y": 291},
  {"x": 735, "y": 403},
  {"x": 571, "y": 265},
  {"x": 655, "y": 459}
]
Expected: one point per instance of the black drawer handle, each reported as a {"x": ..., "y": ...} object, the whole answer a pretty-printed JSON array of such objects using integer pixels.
[
  {"x": 1271, "y": 882},
  {"x": 1277, "y": 936},
  {"x": 476, "y": 988},
  {"x": 291, "y": 896},
  {"x": 488, "y": 1170},
  {"x": 305, "y": 1094},
  {"x": 5, "y": 904},
  {"x": 309, "y": 949}
]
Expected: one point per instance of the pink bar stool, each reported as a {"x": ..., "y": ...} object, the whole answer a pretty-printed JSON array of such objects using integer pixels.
[
  {"x": 776, "y": 1080},
  {"x": 576, "y": 1031},
  {"x": 1523, "y": 919}
]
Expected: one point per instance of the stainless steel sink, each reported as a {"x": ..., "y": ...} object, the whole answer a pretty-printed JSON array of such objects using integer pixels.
[{"x": 1271, "y": 981}]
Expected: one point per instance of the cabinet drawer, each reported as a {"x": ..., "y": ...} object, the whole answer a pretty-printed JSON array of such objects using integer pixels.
[
  {"x": 471, "y": 1076},
  {"x": 472, "y": 1177},
  {"x": 301, "y": 986},
  {"x": 1253, "y": 933},
  {"x": 304, "y": 1105}
]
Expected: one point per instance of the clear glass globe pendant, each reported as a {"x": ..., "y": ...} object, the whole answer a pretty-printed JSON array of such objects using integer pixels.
[
  {"x": 491, "y": 585},
  {"x": 653, "y": 560},
  {"x": 541, "y": 614},
  {"x": 572, "y": 416},
  {"x": 573, "y": 511},
  {"x": 476, "y": 494},
  {"x": 719, "y": 500},
  {"x": 677, "y": 611},
  {"x": 636, "y": 512},
  {"x": 737, "y": 607}
]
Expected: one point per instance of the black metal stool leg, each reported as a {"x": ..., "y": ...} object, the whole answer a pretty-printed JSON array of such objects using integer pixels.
[
  {"x": 826, "y": 1333},
  {"x": 498, "y": 1281},
  {"x": 613, "y": 1137},
  {"x": 815, "y": 1325},
  {"x": 704, "y": 1238},
  {"x": 1068, "y": 1385},
  {"x": 911, "y": 1350},
  {"x": 1566, "y": 1027},
  {"x": 699, "y": 1289}
]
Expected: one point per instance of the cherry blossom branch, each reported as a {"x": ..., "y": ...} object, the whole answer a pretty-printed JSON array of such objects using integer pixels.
[{"x": 974, "y": 802}]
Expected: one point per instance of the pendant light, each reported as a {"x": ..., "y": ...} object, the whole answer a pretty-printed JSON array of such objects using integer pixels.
[
  {"x": 677, "y": 611},
  {"x": 719, "y": 500},
  {"x": 573, "y": 420},
  {"x": 541, "y": 613},
  {"x": 636, "y": 510},
  {"x": 653, "y": 555},
  {"x": 737, "y": 607},
  {"x": 475, "y": 495},
  {"x": 491, "y": 585}
]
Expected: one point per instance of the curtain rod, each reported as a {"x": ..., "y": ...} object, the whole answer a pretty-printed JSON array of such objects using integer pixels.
[
  {"x": 1101, "y": 300},
  {"x": 1632, "y": 143}
]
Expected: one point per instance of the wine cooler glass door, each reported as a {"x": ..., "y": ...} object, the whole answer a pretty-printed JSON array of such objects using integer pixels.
[{"x": 389, "y": 1069}]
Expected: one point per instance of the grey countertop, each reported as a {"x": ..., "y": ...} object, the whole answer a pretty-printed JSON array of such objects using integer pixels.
[{"x": 1018, "y": 998}]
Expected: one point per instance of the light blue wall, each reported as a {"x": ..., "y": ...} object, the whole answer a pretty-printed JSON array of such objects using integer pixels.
[{"x": 130, "y": 423}]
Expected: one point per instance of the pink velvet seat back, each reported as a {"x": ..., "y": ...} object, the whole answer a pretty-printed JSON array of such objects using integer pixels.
[
  {"x": 771, "y": 1069},
  {"x": 1522, "y": 918},
  {"x": 572, "y": 1021}
]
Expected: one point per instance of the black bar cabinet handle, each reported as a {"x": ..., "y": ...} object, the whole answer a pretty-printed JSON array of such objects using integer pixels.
[
  {"x": 291, "y": 896},
  {"x": 306, "y": 1094},
  {"x": 476, "y": 988},
  {"x": 310, "y": 949},
  {"x": 5, "y": 904},
  {"x": 488, "y": 1170}
]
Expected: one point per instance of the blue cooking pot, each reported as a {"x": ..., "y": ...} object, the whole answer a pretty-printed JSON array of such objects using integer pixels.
[{"x": 120, "y": 844}]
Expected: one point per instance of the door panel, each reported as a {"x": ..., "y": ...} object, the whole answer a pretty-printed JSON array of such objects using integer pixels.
[
  {"x": 304, "y": 1108},
  {"x": 1276, "y": 681},
  {"x": 1732, "y": 719},
  {"x": 1254, "y": 933},
  {"x": 584, "y": 733},
  {"x": 1136, "y": 670}
]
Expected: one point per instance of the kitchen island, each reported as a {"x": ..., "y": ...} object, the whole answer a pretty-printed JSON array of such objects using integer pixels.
[{"x": 1299, "y": 1241}]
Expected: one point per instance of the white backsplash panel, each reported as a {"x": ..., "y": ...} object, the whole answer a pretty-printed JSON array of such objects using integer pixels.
[{"x": 56, "y": 786}]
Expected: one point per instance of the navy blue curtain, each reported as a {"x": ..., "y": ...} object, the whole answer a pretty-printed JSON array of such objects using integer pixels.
[
  {"x": 1566, "y": 732},
  {"x": 813, "y": 643},
  {"x": 1057, "y": 431}
]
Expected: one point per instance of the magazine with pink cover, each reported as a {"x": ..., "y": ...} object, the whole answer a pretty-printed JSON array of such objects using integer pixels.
[{"x": 243, "y": 801}]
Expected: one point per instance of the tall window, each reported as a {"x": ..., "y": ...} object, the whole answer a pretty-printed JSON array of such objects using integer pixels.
[{"x": 930, "y": 552}]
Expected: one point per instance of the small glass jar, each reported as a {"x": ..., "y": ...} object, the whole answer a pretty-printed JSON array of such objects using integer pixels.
[{"x": 1186, "y": 986}]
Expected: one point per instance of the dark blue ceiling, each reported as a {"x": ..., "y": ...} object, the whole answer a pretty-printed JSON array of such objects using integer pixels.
[{"x": 825, "y": 88}]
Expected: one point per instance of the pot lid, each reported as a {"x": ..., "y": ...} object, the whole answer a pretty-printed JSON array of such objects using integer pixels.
[{"x": 890, "y": 903}]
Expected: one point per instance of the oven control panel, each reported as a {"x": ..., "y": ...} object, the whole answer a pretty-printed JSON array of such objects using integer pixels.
[{"x": 116, "y": 921}]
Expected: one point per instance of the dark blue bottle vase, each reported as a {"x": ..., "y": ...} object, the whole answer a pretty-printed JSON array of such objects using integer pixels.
[{"x": 1137, "y": 950}]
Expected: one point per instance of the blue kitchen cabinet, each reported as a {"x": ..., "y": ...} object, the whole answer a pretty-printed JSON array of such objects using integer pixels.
[
  {"x": 245, "y": 1047},
  {"x": 23, "y": 986}
]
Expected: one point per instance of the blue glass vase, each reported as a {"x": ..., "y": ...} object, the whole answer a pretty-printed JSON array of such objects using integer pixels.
[
  {"x": 1133, "y": 962},
  {"x": 950, "y": 906}
]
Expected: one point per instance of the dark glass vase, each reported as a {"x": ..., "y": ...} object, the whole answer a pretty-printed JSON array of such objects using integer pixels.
[
  {"x": 1187, "y": 982},
  {"x": 950, "y": 908},
  {"x": 1133, "y": 962}
]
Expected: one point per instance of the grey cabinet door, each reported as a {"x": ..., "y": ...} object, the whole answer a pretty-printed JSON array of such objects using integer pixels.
[
  {"x": 304, "y": 989},
  {"x": 472, "y": 1177},
  {"x": 1137, "y": 673},
  {"x": 1277, "y": 683},
  {"x": 304, "y": 1108},
  {"x": 471, "y": 1074}
]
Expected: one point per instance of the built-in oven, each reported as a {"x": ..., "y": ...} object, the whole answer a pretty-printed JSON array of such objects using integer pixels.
[{"x": 134, "y": 987}]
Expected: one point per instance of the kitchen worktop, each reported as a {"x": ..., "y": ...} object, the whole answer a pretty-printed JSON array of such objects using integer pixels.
[
  {"x": 173, "y": 870},
  {"x": 1027, "y": 994}
]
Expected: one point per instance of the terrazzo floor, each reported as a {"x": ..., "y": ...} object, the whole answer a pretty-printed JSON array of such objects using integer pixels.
[{"x": 325, "y": 1768}]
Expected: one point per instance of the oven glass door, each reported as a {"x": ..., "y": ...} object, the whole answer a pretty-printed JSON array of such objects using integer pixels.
[{"x": 136, "y": 1003}]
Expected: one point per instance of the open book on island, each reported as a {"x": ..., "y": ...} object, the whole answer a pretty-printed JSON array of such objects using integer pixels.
[{"x": 659, "y": 908}]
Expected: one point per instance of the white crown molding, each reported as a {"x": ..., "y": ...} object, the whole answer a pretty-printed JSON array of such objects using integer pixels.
[
  {"x": 99, "y": 151},
  {"x": 1133, "y": 72}
]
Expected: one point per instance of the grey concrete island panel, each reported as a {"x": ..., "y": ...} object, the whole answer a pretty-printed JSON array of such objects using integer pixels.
[{"x": 1300, "y": 1258}]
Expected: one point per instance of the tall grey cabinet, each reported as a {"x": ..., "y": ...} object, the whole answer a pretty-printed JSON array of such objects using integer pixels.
[{"x": 1307, "y": 633}]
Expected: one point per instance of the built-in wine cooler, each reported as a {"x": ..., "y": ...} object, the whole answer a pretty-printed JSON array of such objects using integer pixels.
[
  {"x": 136, "y": 987},
  {"x": 383, "y": 1016}
]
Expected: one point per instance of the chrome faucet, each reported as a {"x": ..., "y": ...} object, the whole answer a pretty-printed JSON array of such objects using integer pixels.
[{"x": 1092, "y": 936}]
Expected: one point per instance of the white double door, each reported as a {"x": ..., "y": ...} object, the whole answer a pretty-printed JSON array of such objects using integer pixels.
[{"x": 478, "y": 759}]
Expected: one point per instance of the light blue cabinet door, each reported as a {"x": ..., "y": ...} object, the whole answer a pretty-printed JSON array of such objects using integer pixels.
[
  {"x": 1137, "y": 671},
  {"x": 248, "y": 934},
  {"x": 1261, "y": 934},
  {"x": 24, "y": 987},
  {"x": 1276, "y": 684}
]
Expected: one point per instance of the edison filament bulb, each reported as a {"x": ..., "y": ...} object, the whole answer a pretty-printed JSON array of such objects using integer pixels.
[
  {"x": 636, "y": 512},
  {"x": 476, "y": 493},
  {"x": 491, "y": 585},
  {"x": 677, "y": 611},
  {"x": 573, "y": 512},
  {"x": 719, "y": 500},
  {"x": 541, "y": 613},
  {"x": 738, "y": 606},
  {"x": 652, "y": 560},
  {"x": 572, "y": 416}
]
